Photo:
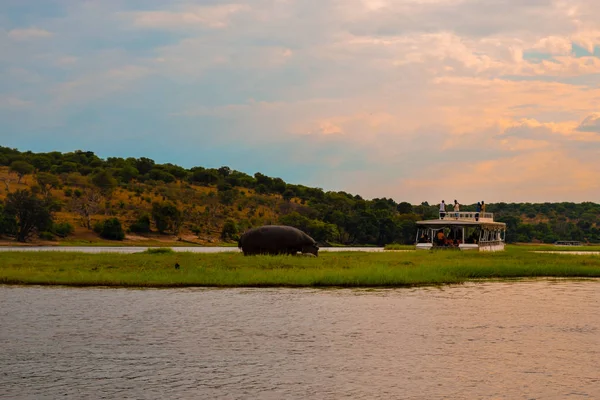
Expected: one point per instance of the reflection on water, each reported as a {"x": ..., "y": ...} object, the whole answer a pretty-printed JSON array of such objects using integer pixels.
[{"x": 533, "y": 339}]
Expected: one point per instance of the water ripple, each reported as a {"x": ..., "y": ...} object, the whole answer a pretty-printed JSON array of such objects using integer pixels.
[{"x": 528, "y": 339}]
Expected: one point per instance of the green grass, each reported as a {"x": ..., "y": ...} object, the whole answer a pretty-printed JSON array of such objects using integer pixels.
[
  {"x": 399, "y": 247},
  {"x": 160, "y": 250},
  {"x": 550, "y": 247},
  {"x": 344, "y": 269}
]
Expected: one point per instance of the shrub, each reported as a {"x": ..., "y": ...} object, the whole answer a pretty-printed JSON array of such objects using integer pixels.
[
  {"x": 46, "y": 236},
  {"x": 68, "y": 192},
  {"x": 142, "y": 225},
  {"x": 110, "y": 229},
  {"x": 98, "y": 226},
  {"x": 159, "y": 250},
  {"x": 230, "y": 230},
  {"x": 62, "y": 229}
]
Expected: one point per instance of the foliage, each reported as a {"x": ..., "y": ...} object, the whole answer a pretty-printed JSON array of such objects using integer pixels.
[
  {"x": 167, "y": 217},
  {"x": 141, "y": 225},
  {"x": 159, "y": 250},
  {"x": 47, "y": 182},
  {"x": 21, "y": 168},
  {"x": 110, "y": 229},
  {"x": 62, "y": 229},
  {"x": 47, "y": 236},
  {"x": 230, "y": 230},
  {"x": 30, "y": 213},
  {"x": 104, "y": 181},
  {"x": 8, "y": 222},
  {"x": 86, "y": 204},
  {"x": 212, "y": 196}
]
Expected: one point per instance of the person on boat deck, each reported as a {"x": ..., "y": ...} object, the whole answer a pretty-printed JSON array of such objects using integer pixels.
[
  {"x": 456, "y": 208},
  {"x": 441, "y": 238},
  {"x": 442, "y": 209},
  {"x": 424, "y": 238},
  {"x": 482, "y": 206},
  {"x": 477, "y": 211}
]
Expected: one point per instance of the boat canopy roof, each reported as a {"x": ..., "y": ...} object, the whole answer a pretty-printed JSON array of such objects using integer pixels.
[{"x": 452, "y": 222}]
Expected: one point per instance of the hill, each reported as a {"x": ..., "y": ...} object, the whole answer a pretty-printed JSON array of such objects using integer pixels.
[{"x": 170, "y": 204}]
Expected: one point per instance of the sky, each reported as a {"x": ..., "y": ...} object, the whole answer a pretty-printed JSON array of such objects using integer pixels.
[{"x": 415, "y": 100}]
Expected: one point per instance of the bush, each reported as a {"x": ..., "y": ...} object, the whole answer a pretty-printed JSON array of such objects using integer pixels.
[
  {"x": 63, "y": 229},
  {"x": 46, "y": 236},
  {"x": 142, "y": 225},
  {"x": 110, "y": 229},
  {"x": 159, "y": 250},
  {"x": 230, "y": 230},
  {"x": 68, "y": 192}
]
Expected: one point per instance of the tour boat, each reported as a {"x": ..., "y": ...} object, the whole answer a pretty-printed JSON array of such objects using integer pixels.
[{"x": 462, "y": 231}]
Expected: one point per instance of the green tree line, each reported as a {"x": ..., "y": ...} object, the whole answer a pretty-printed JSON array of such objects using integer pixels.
[{"x": 236, "y": 202}]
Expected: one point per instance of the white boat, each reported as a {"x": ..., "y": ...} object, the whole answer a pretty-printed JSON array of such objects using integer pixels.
[{"x": 462, "y": 231}]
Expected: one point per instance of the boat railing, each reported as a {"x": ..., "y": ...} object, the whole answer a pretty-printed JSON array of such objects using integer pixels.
[{"x": 468, "y": 216}]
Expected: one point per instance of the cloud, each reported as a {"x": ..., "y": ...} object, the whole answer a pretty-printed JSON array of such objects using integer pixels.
[
  {"x": 369, "y": 96},
  {"x": 28, "y": 33},
  {"x": 590, "y": 124},
  {"x": 8, "y": 102},
  {"x": 547, "y": 175},
  {"x": 188, "y": 17}
]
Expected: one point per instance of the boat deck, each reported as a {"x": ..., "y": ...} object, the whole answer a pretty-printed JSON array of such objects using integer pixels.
[{"x": 464, "y": 219}]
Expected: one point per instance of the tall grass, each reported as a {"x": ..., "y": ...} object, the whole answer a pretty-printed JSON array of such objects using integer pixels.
[{"x": 344, "y": 269}]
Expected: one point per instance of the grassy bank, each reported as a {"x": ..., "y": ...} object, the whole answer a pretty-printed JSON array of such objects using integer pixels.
[{"x": 348, "y": 269}]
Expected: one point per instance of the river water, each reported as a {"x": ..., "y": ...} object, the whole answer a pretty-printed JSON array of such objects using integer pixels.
[{"x": 536, "y": 339}]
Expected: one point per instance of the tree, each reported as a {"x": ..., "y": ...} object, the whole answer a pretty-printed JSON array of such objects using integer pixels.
[
  {"x": 142, "y": 225},
  {"x": 30, "y": 213},
  {"x": 167, "y": 217},
  {"x": 21, "y": 168},
  {"x": 230, "y": 230},
  {"x": 128, "y": 173},
  {"x": 228, "y": 197},
  {"x": 111, "y": 229},
  {"x": 8, "y": 223},
  {"x": 47, "y": 182},
  {"x": 288, "y": 194},
  {"x": 224, "y": 171},
  {"x": 86, "y": 205},
  {"x": 159, "y": 175},
  {"x": 204, "y": 176},
  {"x": 405, "y": 208},
  {"x": 144, "y": 165},
  {"x": 42, "y": 163},
  {"x": 105, "y": 182},
  {"x": 6, "y": 181}
]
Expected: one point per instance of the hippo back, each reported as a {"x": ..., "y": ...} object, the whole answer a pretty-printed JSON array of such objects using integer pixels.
[{"x": 276, "y": 239}]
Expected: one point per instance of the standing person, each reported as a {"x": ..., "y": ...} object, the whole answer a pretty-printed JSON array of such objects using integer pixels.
[
  {"x": 478, "y": 209},
  {"x": 482, "y": 206},
  {"x": 456, "y": 208},
  {"x": 442, "y": 209}
]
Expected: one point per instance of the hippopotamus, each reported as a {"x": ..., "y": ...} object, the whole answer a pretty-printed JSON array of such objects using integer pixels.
[{"x": 277, "y": 239}]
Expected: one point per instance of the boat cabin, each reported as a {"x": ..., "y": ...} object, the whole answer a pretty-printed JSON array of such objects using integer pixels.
[{"x": 461, "y": 231}]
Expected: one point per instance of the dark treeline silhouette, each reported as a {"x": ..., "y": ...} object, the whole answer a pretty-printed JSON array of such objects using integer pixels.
[{"x": 220, "y": 203}]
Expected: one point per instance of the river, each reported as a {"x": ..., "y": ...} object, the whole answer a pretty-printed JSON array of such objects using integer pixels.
[{"x": 537, "y": 339}]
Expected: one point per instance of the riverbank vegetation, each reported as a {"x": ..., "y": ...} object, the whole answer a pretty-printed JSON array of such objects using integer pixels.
[
  {"x": 335, "y": 269},
  {"x": 58, "y": 197}
]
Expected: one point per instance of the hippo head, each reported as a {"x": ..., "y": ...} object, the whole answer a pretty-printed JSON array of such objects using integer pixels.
[{"x": 311, "y": 248}]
